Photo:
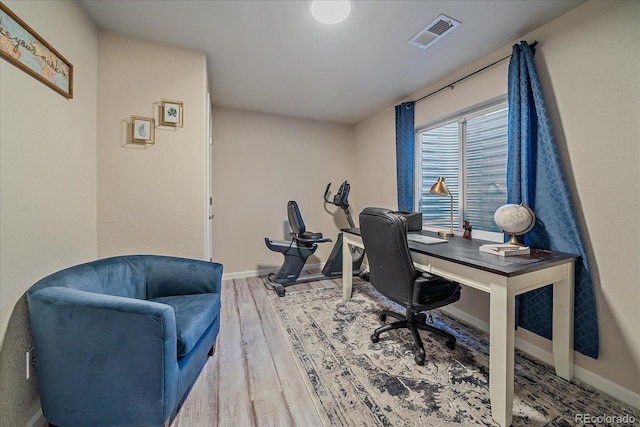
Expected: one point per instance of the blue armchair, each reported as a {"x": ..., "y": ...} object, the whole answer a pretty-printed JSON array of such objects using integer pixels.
[{"x": 120, "y": 341}]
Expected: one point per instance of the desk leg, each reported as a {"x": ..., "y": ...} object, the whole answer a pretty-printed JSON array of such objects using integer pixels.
[
  {"x": 563, "y": 297},
  {"x": 501, "y": 353},
  {"x": 347, "y": 269}
]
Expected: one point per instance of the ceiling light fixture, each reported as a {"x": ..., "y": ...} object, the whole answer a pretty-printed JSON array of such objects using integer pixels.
[{"x": 330, "y": 11}]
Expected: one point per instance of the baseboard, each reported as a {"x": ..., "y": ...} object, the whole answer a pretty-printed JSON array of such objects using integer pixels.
[
  {"x": 37, "y": 420},
  {"x": 264, "y": 272},
  {"x": 245, "y": 274},
  {"x": 607, "y": 386}
]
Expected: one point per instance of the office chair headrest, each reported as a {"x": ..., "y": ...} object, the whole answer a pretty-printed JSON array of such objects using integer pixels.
[{"x": 386, "y": 213}]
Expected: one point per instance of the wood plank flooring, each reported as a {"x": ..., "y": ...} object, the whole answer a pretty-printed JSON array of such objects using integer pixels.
[{"x": 253, "y": 378}]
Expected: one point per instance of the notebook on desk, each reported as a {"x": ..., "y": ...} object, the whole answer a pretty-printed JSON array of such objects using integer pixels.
[{"x": 426, "y": 240}]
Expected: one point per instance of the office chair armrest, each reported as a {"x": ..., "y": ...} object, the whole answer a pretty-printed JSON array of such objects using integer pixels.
[{"x": 434, "y": 290}]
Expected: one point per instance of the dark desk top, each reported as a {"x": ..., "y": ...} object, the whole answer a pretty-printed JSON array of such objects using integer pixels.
[{"x": 466, "y": 252}]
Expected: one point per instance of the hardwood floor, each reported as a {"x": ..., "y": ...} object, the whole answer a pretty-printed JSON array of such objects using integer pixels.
[{"x": 253, "y": 378}]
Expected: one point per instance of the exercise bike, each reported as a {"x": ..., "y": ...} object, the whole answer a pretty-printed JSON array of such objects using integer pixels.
[{"x": 304, "y": 243}]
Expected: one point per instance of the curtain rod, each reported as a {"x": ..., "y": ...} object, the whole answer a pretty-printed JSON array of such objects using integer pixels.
[{"x": 450, "y": 85}]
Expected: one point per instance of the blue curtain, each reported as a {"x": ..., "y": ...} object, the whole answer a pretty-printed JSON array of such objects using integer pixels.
[
  {"x": 535, "y": 177},
  {"x": 405, "y": 135}
]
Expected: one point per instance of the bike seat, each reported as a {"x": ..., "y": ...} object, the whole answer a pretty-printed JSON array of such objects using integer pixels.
[
  {"x": 310, "y": 235},
  {"x": 309, "y": 238}
]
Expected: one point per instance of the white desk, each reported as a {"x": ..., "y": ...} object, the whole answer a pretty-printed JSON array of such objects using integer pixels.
[{"x": 502, "y": 278}]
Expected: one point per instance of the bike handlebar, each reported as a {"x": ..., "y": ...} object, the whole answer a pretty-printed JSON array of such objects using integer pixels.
[{"x": 341, "y": 198}]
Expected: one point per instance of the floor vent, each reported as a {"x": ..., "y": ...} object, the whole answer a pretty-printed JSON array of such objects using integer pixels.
[{"x": 433, "y": 32}]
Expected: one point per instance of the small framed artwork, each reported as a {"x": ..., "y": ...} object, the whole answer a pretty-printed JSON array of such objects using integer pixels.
[
  {"x": 143, "y": 130},
  {"x": 171, "y": 113}
]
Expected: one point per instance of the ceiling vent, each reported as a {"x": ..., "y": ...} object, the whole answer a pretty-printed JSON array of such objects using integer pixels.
[{"x": 433, "y": 32}]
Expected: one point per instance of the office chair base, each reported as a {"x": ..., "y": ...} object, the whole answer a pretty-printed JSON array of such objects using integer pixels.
[{"x": 414, "y": 322}]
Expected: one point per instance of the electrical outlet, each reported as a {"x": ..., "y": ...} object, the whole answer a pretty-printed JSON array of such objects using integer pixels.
[{"x": 30, "y": 362}]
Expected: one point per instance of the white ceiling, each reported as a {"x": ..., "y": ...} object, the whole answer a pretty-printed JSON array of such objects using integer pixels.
[{"x": 272, "y": 56}]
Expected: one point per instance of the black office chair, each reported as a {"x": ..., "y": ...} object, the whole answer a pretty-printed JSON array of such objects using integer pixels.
[{"x": 392, "y": 273}]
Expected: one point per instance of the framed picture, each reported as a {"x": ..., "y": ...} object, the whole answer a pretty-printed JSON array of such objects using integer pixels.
[
  {"x": 143, "y": 130},
  {"x": 23, "y": 47},
  {"x": 171, "y": 113}
]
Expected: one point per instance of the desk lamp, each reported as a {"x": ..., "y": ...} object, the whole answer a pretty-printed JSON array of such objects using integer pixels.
[{"x": 441, "y": 189}]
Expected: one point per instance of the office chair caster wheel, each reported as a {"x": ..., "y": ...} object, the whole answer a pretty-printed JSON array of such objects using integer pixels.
[
  {"x": 375, "y": 338},
  {"x": 421, "y": 318},
  {"x": 451, "y": 345},
  {"x": 383, "y": 317},
  {"x": 280, "y": 290},
  {"x": 419, "y": 358}
]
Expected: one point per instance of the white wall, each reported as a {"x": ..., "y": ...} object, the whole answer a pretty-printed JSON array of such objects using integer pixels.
[
  {"x": 262, "y": 161},
  {"x": 589, "y": 66},
  {"x": 47, "y": 184},
  {"x": 153, "y": 199}
]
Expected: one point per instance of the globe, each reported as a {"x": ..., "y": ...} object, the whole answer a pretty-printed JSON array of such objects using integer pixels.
[{"x": 514, "y": 220}]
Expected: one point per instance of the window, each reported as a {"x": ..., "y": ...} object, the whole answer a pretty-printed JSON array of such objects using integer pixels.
[{"x": 470, "y": 152}]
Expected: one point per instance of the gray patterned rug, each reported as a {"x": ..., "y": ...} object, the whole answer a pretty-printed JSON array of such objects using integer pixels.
[{"x": 359, "y": 383}]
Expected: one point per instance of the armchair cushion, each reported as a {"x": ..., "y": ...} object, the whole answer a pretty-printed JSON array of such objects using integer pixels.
[{"x": 194, "y": 314}]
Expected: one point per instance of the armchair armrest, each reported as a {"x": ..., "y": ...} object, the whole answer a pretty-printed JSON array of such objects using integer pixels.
[
  {"x": 169, "y": 276},
  {"x": 104, "y": 351}
]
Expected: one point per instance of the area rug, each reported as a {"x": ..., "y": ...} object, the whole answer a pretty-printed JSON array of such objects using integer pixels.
[{"x": 359, "y": 383}]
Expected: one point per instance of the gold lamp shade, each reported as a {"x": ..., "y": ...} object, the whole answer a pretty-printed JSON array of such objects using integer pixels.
[{"x": 440, "y": 189}]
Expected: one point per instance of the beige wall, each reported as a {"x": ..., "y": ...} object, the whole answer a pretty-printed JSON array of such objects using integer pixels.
[
  {"x": 589, "y": 66},
  {"x": 153, "y": 199},
  {"x": 47, "y": 184},
  {"x": 261, "y": 162}
]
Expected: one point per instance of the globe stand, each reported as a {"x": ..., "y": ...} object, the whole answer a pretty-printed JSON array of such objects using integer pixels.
[{"x": 514, "y": 240}]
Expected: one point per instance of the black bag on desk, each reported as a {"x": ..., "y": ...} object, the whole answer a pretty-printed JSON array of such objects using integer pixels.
[{"x": 414, "y": 220}]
